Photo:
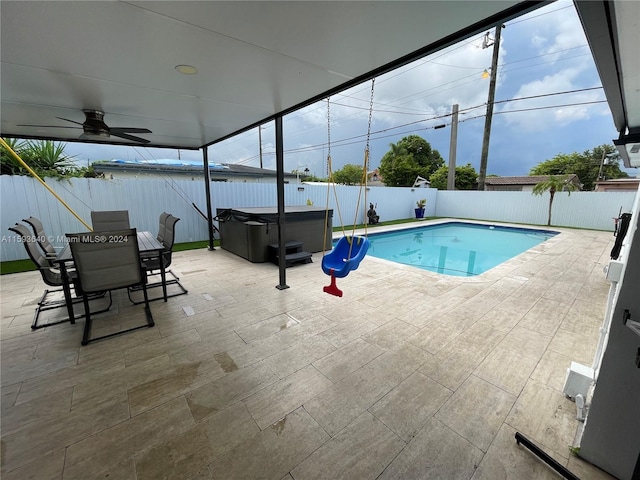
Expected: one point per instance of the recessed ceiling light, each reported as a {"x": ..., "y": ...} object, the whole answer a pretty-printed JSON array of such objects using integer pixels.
[{"x": 186, "y": 69}]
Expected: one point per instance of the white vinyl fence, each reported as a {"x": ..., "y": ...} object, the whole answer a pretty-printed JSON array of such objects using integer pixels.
[{"x": 22, "y": 197}]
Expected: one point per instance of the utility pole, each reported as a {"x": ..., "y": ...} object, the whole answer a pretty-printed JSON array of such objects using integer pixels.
[
  {"x": 451, "y": 178},
  {"x": 492, "y": 92},
  {"x": 260, "y": 142}
]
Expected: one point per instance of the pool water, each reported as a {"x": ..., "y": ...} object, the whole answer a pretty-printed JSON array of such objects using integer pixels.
[{"x": 455, "y": 248}]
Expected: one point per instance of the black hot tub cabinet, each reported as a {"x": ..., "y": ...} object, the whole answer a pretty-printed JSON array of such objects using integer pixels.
[{"x": 248, "y": 232}]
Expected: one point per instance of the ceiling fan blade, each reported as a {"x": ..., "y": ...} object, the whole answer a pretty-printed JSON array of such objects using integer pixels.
[
  {"x": 46, "y": 126},
  {"x": 129, "y": 137},
  {"x": 72, "y": 121},
  {"x": 129, "y": 130}
]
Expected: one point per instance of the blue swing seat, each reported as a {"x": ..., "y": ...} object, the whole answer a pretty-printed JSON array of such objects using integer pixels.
[{"x": 338, "y": 263}]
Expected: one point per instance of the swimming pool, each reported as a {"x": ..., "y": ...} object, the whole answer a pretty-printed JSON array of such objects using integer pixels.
[{"x": 455, "y": 248}]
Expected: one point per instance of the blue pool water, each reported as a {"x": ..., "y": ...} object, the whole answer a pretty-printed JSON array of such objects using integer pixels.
[{"x": 455, "y": 248}]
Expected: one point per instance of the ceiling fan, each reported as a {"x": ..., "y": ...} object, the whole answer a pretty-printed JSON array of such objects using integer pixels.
[{"x": 94, "y": 126}]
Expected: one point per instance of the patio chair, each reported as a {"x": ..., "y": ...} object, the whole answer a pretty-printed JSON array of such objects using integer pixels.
[
  {"x": 107, "y": 261},
  {"x": 162, "y": 226},
  {"x": 41, "y": 237},
  {"x": 108, "y": 220},
  {"x": 50, "y": 276},
  {"x": 153, "y": 264}
]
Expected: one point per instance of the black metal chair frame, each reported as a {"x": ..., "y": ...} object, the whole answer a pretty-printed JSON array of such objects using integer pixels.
[
  {"x": 151, "y": 263},
  {"x": 50, "y": 277},
  {"x": 97, "y": 274}
]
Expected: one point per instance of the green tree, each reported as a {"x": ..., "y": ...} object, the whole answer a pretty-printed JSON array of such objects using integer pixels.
[
  {"x": 554, "y": 184},
  {"x": 9, "y": 165},
  {"x": 586, "y": 165},
  {"x": 349, "y": 175},
  {"x": 45, "y": 157},
  {"x": 466, "y": 178},
  {"x": 407, "y": 159}
]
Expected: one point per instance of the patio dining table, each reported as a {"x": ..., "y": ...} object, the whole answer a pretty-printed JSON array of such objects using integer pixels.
[{"x": 148, "y": 245}]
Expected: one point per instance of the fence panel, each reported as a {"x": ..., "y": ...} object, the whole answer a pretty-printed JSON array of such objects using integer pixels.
[{"x": 22, "y": 197}]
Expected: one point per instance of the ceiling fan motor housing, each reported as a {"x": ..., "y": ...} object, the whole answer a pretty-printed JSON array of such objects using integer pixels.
[{"x": 94, "y": 123}]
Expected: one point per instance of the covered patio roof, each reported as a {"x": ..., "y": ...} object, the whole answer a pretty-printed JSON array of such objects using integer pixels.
[{"x": 254, "y": 60}]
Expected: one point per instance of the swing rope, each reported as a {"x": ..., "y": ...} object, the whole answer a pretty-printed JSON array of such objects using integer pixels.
[{"x": 363, "y": 178}]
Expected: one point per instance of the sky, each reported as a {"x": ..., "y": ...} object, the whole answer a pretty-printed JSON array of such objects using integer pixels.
[{"x": 542, "y": 55}]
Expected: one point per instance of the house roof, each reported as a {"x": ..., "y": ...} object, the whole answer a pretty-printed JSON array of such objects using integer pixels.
[
  {"x": 525, "y": 180},
  {"x": 181, "y": 167}
]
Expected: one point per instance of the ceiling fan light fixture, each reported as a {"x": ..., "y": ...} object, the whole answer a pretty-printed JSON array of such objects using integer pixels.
[{"x": 186, "y": 69}]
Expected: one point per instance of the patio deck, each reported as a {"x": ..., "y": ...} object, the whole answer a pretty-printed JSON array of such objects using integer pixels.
[{"x": 411, "y": 375}]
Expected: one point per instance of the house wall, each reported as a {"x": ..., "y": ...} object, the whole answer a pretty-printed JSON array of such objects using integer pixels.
[
  {"x": 22, "y": 197},
  {"x": 611, "y": 433}
]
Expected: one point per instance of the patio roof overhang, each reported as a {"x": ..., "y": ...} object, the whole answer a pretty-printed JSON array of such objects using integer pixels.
[{"x": 254, "y": 60}]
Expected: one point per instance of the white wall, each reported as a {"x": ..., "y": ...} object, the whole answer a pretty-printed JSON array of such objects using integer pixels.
[
  {"x": 22, "y": 197},
  {"x": 610, "y": 439}
]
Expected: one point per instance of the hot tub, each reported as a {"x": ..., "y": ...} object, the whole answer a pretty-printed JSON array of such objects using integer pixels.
[{"x": 249, "y": 231}]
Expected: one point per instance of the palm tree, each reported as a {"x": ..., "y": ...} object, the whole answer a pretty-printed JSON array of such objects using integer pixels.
[{"x": 554, "y": 184}]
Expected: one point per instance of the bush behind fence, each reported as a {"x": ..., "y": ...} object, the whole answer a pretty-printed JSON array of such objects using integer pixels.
[{"x": 23, "y": 197}]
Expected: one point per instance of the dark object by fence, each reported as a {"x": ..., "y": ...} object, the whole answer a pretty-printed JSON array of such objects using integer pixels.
[{"x": 623, "y": 227}]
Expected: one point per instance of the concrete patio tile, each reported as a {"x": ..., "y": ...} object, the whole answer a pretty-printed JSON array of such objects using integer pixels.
[
  {"x": 346, "y": 332},
  {"x": 552, "y": 369},
  {"x": 526, "y": 342},
  {"x": 584, "y": 317},
  {"x": 393, "y": 366},
  {"x": 188, "y": 453},
  {"x": 25, "y": 365},
  {"x": 218, "y": 375},
  {"x": 409, "y": 406},
  {"x": 266, "y": 327},
  {"x": 346, "y": 400},
  {"x": 161, "y": 346},
  {"x": 44, "y": 467},
  {"x": 273, "y": 452},
  {"x": 391, "y": 334},
  {"x": 97, "y": 388},
  {"x": 40, "y": 437},
  {"x": 581, "y": 348},
  {"x": 277, "y": 400},
  {"x": 347, "y": 359},
  {"x": 233, "y": 387},
  {"x": 506, "y": 369},
  {"x": 299, "y": 355},
  {"x": 506, "y": 460},
  {"x": 545, "y": 416},
  {"x": 545, "y": 316},
  {"x": 257, "y": 351},
  {"x": 434, "y": 336},
  {"x": 37, "y": 410},
  {"x": 476, "y": 410},
  {"x": 435, "y": 453},
  {"x": 362, "y": 450},
  {"x": 179, "y": 379},
  {"x": 452, "y": 366},
  {"x": 107, "y": 449}
]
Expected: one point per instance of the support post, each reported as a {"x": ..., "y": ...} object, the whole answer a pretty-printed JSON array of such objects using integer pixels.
[
  {"x": 282, "y": 263},
  {"x": 207, "y": 189},
  {"x": 482, "y": 175},
  {"x": 451, "y": 177}
]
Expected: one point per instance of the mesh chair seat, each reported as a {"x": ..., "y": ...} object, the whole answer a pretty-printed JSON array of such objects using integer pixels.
[
  {"x": 107, "y": 261},
  {"x": 41, "y": 237},
  {"x": 109, "y": 220}
]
